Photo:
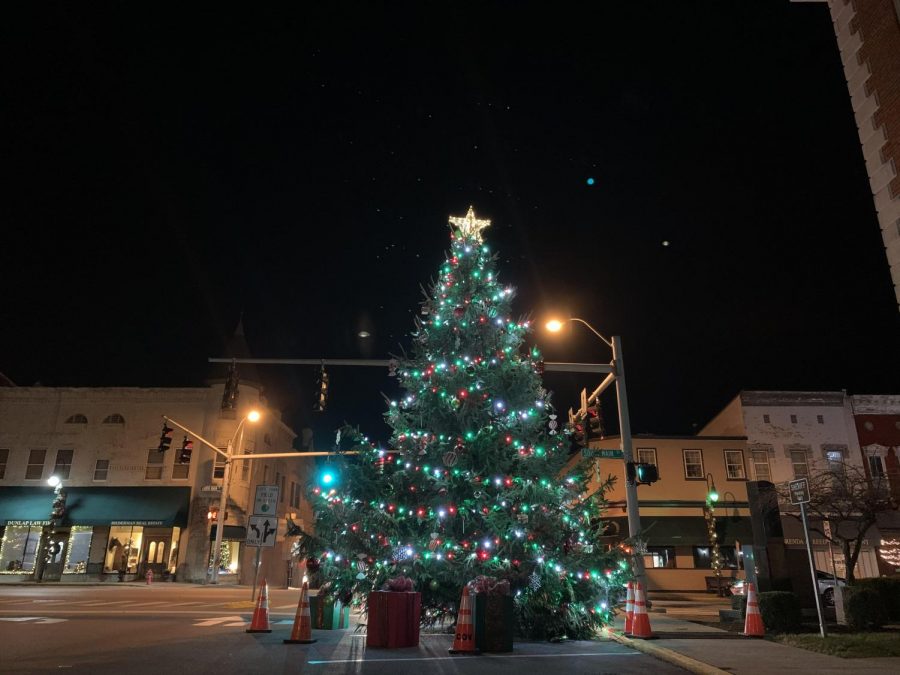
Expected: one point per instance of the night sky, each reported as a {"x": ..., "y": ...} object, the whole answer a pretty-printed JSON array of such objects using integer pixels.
[{"x": 164, "y": 172}]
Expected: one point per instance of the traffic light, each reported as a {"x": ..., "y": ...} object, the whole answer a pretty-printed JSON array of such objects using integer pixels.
[
  {"x": 641, "y": 474},
  {"x": 58, "y": 511},
  {"x": 230, "y": 396},
  {"x": 187, "y": 447},
  {"x": 328, "y": 477},
  {"x": 578, "y": 433},
  {"x": 647, "y": 473},
  {"x": 322, "y": 396},
  {"x": 165, "y": 438},
  {"x": 595, "y": 421}
]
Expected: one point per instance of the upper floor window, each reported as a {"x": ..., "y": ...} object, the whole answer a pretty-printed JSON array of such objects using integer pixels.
[
  {"x": 115, "y": 418},
  {"x": 835, "y": 458},
  {"x": 800, "y": 461},
  {"x": 63, "y": 465},
  {"x": 77, "y": 419},
  {"x": 766, "y": 419},
  {"x": 35, "y": 468},
  {"x": 154, "y": 464},
  {"x": 646, "y": 455},
  {"x": 793, "y": 419},
  {"x": 761, "y": 464},
  {"x": 734, "y": 465},
  {"x": 101, "y": 469},
  {"x": 693, "y": 464},
  {"x": 4, "y": 458},
  {"x": 820, "y": 419},
  {"x": 876, "y": 466},
  {"x": 219, "y": 467}
]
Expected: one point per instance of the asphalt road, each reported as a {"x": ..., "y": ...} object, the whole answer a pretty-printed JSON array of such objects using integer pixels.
[{"x": 173, "y": 628}]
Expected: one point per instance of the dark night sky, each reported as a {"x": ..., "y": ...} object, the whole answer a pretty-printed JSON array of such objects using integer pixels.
[{"x": 163, "y": 172}]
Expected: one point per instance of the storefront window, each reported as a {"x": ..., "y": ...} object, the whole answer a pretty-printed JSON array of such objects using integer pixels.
[
  {"x": 228, "y": 560},
  {"x": 660, "y": 556},
  {"x": 17, "y": 549},
  {"x": 79, "y": 550},
  {"x": 123, "y": 549},
  {"x": 702, "y": 557}
]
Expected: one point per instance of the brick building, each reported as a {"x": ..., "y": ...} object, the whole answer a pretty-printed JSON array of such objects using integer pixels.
[{"x": 868, "y": 38}]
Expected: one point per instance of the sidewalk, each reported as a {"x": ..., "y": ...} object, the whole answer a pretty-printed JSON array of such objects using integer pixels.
[{"x": 712, "y": 651}]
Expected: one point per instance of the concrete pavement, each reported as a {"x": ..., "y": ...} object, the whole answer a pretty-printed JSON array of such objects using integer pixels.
[{"x": 712, "y": 651}]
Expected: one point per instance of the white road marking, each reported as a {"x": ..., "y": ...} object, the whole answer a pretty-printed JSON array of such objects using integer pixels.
[
  {"x": 221, "y": 619},
  {"x": 492, "y": 656},
  {"x": 33, "y": 619}
]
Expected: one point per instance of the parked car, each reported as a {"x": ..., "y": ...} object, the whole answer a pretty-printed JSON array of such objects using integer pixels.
[{"x": 825, "y": 581}]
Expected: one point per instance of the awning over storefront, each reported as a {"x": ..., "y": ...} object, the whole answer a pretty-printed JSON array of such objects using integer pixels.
[
  {"x": 688, "y": 530},
  {"x": 793, "y": 532},
  {"x": 151, "y": 506},
  {"x": 229, "y": 533}
]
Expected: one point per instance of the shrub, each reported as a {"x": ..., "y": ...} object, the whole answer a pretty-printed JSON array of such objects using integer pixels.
[
  {"x": 865, "y": 609},
  {"x": 780, "y": 611},
  {"x": 888, "y": 588}
]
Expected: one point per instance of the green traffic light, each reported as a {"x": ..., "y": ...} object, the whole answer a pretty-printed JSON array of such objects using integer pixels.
[{"x": 713, "y": 496}]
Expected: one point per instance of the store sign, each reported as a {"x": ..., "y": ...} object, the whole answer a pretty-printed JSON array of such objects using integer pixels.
[
  {"x": 136, "y": 522},
  {"x": 26, "y": 523}
]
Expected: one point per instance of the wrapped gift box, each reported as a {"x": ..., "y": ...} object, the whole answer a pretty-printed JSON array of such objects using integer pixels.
[
  {"x": 321, "y": 610},
  {"x": 494, "y": 622},
  {"x": 393, "y": 619},
  {"x": 341, "y": 615}
]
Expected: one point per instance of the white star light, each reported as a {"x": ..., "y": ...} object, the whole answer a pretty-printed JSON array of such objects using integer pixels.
[{"x": 470, "y": 226}]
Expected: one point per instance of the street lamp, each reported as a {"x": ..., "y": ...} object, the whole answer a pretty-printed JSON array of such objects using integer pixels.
[
  {"x": 712, "y": 496},
  {"x": 618, "y": 373},
  {"x": 252, "y": 416}
]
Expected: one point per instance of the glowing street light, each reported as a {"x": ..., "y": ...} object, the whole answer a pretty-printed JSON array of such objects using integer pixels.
[
  {"x": 252, "y": 416},
  {"x": 618, "y": 375}
]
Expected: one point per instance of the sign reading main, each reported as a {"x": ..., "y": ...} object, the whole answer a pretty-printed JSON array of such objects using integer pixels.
[
  {"x": 603, "y": 453},
  {"x": 261, "y": 531},
  {"x": 266, "y": 500},
  {"x": 799, "y": 491}
]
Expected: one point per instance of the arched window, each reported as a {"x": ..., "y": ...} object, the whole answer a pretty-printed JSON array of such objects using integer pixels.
[
  {"x": 77, "y": 419},
  {"x": 115, "y": 418}
]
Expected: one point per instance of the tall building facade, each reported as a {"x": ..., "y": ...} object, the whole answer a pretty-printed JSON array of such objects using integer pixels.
[
  {"x": 129, "y": 507},
  {"x": 868, "y": 38}
]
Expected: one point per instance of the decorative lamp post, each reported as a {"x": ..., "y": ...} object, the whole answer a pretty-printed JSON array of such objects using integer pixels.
[{"x": 712, "y": 496}]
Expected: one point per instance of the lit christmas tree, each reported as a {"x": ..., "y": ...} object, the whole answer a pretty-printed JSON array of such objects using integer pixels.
[{"x": 471, "y": 481}]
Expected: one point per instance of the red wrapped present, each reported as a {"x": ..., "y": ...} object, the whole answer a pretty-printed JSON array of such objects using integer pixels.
[{"x": 393, "y": 619}]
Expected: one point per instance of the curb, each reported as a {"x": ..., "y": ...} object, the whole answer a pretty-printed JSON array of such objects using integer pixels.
[{"x": 668, "y": 655}]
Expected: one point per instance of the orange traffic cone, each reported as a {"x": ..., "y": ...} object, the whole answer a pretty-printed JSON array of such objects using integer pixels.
[
  {"x": 301, "y": 633},
  {"x": 753, "y": 624},
  {"x": 629, "y": 608},
  {"x": 260, "y": 621},
  {"x": 640, "y": 628},
  {"x": 465, "y": 629}
]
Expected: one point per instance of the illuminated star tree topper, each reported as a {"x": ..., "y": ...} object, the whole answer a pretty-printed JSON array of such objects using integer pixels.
[{"x": 470, "y": 226}]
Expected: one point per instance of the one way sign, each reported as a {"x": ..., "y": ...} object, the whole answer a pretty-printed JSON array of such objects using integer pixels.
[{"x": 261, "y": 531}]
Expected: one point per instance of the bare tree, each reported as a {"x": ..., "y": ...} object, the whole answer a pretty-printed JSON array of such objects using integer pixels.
[{"x": 849, "y": 500}]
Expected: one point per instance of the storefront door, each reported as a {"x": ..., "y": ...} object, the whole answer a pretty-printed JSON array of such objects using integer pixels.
[
  {"x": 155, "y": 550},
  {"x": 55, "y": 556}
]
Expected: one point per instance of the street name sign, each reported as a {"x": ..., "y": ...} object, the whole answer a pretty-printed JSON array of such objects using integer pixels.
[
  {"x": 603, "y": 453},
  {"x": 799, "y": 491},
  {"x": 266, "y": 500},
  {"x": 261, "y": 531}
]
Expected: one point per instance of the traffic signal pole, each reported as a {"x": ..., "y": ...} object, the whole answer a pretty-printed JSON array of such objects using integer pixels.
[{"x": 230, "y": 456}]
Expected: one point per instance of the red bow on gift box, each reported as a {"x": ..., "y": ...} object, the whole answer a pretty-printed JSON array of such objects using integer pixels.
[
  {"x": 399, "y": 584},
  {"x": 490, "y": 586}
]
